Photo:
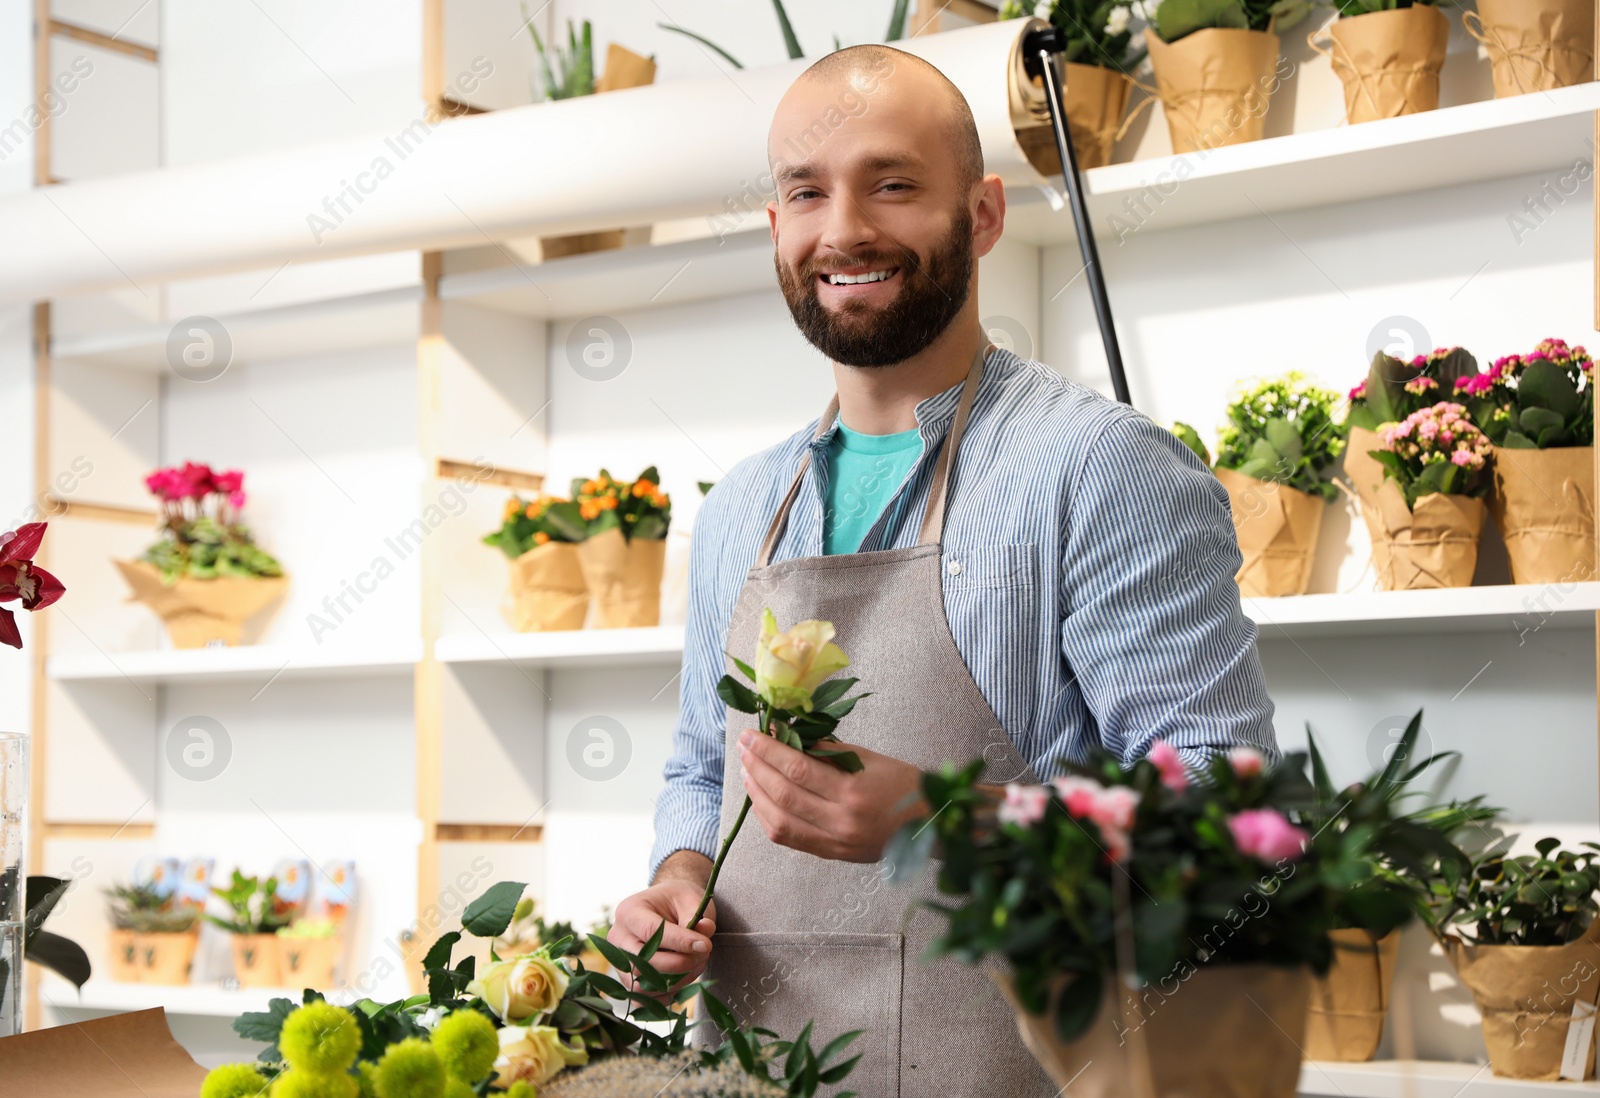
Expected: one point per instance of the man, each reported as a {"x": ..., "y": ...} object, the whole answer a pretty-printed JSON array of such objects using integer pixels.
[{"x": 1018, "y": 568}]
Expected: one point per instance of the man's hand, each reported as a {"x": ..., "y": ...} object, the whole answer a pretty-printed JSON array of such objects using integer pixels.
[
  {"x": 813, "y": 806},
  {"x": 680, "y": 882}
]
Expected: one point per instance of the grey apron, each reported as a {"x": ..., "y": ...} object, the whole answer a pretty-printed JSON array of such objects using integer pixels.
[{"x": 801, "y": 938}]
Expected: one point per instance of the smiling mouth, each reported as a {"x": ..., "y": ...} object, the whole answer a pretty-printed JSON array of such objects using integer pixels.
[{"x": 840, "y": 278}]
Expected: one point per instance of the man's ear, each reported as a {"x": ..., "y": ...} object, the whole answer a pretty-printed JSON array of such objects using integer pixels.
[
  {"x": 772, "y": 219},
  {"x": 988, "y": 214}
]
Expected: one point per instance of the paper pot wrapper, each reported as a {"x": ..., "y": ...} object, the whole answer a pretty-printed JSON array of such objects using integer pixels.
[
  {"x": 1349, "y": 1004},
  {"x": 1389, "y": 61},
  {"x": 255, "y": 960},
  {"x": 546, "y": 590},
  {"x": 1277, "y": 527},
  {"x": 1543, "y": 503},
  {"x": 1525, "y": 994},
  {"x": 122, "y": 956},
  {"x": 165, "y": 958},
  {"x": 1435, "y": 545},
  {"x": 1366, "y": 475},
  {"x": 624, "y": 578},
  {"x": 1189, "y": 1034},
  {"x": 1535, "y": 45},
  {"x": 198, "y": 613},
  {"x": 1215, "y": 85},
  {"x": 1097, "y": 100},
  {"x": 309, "y": 962}
]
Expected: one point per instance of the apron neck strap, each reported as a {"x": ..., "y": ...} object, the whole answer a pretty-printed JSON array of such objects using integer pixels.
[{"x": 938, "y": 490}]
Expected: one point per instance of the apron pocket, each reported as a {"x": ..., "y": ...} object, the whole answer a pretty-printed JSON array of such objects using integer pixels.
[{"x": 839, "y": 982}]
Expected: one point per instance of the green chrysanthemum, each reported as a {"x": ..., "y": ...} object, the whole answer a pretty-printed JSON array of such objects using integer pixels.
[
  {"x": 411, "y": 1069},
  {"x": 320, "y": 1037},
  {"x": 367, "y": 1079},
  {"x": 522, "y": 1089},
  {"x": 467, "y": 1043},
  {"x": 234, "y": 1081},
  {"x": 299, "y": 1083},
  {"x": 455, "y": 1088}
]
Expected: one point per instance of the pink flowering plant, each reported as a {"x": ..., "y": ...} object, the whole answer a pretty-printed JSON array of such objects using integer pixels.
[
  {"x": 1437, "y": 449},
  {"x": 1218, "y": 867},
  {"x": 1394, "y": 389},
  {"x": 1536, "y": 401},
  {"x": 203, "y": 535}
]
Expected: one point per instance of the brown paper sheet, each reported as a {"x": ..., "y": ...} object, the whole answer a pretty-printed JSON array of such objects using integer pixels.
[
  {"x": 123, "y": 1056},
  {"x": 1214, "y": 84},
  {"x": 1389, "y": 61},
  {"x": 625, "y": 69},
  {"x": 1212, "y": 1031},
  {"x": 1535, "y": 45},
  {"x": 1097, "y": 100},
  {"x": 198, "y": 612},
  {"x": 1543, "y": 503},
  {"x": 624, "y": 578},
  {"x": 1366, "y": 474},
  {"x": 1350, "y": 1003},
  {"x": 545, "y": 590},
  {"x": 1277, "y": 528},
  {"x": 1435, "y": 545},
  {"x": 1525, "y": 994}
]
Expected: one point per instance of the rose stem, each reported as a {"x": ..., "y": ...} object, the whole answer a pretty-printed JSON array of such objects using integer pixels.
[{"x": 722, "y": 854}]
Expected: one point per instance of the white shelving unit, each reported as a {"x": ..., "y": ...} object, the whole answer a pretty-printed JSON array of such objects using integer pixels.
[
  {"x": 247, "y": 663},
  {"x": 198, "y": 1000},
  {"x": 579, "y": 648},
  {"x": 1424, "y": 1079}
]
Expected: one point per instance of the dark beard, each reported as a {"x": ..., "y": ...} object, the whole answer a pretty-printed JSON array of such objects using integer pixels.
[{"x": 934, "y": 290}]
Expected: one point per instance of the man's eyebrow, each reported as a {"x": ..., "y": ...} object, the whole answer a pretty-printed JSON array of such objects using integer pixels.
[{"x": 793, "y": 173}]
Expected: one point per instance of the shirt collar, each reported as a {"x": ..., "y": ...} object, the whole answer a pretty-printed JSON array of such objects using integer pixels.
[{"x": 933, "y": 413}]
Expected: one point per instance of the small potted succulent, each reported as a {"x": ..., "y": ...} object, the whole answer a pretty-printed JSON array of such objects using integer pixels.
[
  {"x": 623, "y": 551},
  {"x": 1388, "y": 54},
  {"x": 255, "y": 915},
  {"x": 545, "y": 588},
  {"x": 153, "y": 934}
]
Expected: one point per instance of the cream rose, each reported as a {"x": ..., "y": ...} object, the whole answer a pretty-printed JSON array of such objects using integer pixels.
[
  {"x": 535, "y": 1055},
  {"x": 521, "y": 988},
  {"x": 790, "y": 665}
]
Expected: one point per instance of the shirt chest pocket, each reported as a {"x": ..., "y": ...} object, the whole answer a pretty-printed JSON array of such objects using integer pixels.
[{"x": 992, "y": 602}]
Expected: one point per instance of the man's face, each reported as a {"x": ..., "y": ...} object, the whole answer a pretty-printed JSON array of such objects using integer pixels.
[{"x": 873, "y": 231}]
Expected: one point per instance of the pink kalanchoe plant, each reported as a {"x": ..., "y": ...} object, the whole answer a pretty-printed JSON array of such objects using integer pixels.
[
  {"x": 1435, "y": 450},
  {"x": 1266, "y": 834},
  {"x": 1541, "y": 400},
  {"x": 23, "y": 581}
]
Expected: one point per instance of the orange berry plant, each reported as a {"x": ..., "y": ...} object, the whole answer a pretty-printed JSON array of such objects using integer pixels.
[
  {"x": 528, "y": 524},
  {"x": 638, "y": 508}
]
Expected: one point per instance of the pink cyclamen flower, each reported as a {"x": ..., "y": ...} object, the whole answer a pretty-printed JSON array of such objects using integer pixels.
[
  {"x": 1359, "y": 392},
  {"x": 236, "y": 500},
  {"x": 1174, "y": 775},
  {"x": 1024, "y": 804},
  {"x": 1080, "y": 795},
  {"x": 1266, "y": 834},
  {"x": 1247, "y": 762},
  {"x": 229, "y": 482}
]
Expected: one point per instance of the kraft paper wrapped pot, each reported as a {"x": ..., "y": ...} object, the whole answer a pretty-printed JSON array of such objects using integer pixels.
[
  {"x": 1434, "y": 545},
  {"x": 123, "y": 955},
  {"x": 1365, "y": 475},
  {"x": 1349, "y": 1004},
  {"x": 255, "y": 960},
  {"x": 624, "y": 578},
  {"x": 1277, "y": 528},
  {"x": 1543, "y": 503},
  {"x": 165, "y": 958},
  {"x": 1215, "y": 85},
  {"x": 1525, "y": 994},
  {"x": 1097, "y": 101},
  {"x": 309, "y": 962},
  {"x": 1535, "y": 45},
  {"x": 1389, "y": 61},
  {"x": 199, "y": 613},
  {"x": 545, "y": 589},
  {"x": 1189, "y": 1037}
]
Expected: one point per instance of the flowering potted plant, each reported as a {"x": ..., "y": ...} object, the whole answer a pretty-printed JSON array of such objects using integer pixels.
[
  {"x": 1275, "y": 457},
  {"x": 623, "y": 551},
  {"x": 21, "y": 580},
  {"x": 154, "y": 934},
  {"x": 535, "y": 1024},
  {"x": 540, "y": 539},
  {"x": 1538, "y": 410},
  {"x": 1521, "y": 933},
  {"x": 1535, "y": 45},
  {"x": 1216, "y": 65},
  {"x": 206, "y": 576},
  {"x": 1430, "y": 504},
  {"x": 1146, "y": 918},
  {"x": 255, "y": 915},
  {"x": 1388, "y": 54}
]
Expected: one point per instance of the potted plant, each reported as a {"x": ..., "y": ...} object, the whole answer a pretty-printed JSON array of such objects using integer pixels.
[
  {"x": 1099, "y": 56},
  {"x": 1145, "y": 918},
  {"x": 623, "y": 551},
  {"x": 1521, "y": 933},
  {"x": 255, "y": 915},
  {"x": 1430, "y": 504},
  {"x": 308, "y": 952},
  {"x": 153, "y": 934},
  {"x": 1388, "y": 54},
  {"x": 1535, "y": 45},
  {"x": 1538, "y": 410},
  {"x": 1405, "y": 854},
  {"x": 1216, "y": 66},
  {"x": 1275, "y": 457},
  {"x": 540, "y": 539},
  {"x": 206, "y": 576}
]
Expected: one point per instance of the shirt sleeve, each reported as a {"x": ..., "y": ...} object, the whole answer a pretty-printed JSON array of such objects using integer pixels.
[
  {"x": 689, "y": 809},
  {"x": 1152, "y": 627}
]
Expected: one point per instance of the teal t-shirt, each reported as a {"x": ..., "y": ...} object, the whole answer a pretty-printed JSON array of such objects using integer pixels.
[{"x": 863, "y": 473}]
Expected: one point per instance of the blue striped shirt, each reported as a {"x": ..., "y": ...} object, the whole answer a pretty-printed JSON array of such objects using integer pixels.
[{"x": 1094, "y": 603}]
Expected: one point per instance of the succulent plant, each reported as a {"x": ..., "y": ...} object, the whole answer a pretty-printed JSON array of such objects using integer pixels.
[{"x": 144, "y": 909}]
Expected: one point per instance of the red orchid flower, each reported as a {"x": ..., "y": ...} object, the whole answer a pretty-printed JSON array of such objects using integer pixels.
[{"x": 21, "y": 579}]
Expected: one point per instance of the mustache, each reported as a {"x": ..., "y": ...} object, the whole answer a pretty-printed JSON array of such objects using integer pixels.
[{"x": 811, "y": 268}]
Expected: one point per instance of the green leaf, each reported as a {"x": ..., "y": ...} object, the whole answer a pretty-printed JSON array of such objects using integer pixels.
[
  {"x": 1176, "y": 18},
  {"x": 620, "y": 958},
  {"x": 841, "y": 709},
  {"x": 1285, "y": 438},
  {"x": 1319, "y": 772},
  {"x": 736, "y": 694},
  {"x": 897, "y": 22},
  {"x": 648, "y": 950},
  {"x": 1544, "y": 385},
  {"x": 789, "y": 39},
  {"x": 1078, "y": 1004},
  {"x": 848, "y": 761},
  {"x": 60, "y": 955},
  {"x": 744, "y": 668},
  {"x": 1534, "y": 422},
  {"x": 830, "y": 692},
  {"x": 264, "y": 1026},
  {"x": 908, "y": 851},
  {"x": 490, "y": 914}
]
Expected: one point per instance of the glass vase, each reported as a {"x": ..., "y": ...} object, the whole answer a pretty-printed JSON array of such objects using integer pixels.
[{"x": 13, "y": 880}]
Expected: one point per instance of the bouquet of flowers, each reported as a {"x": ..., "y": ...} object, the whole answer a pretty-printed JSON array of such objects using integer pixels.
[
  {"x": 23, "y": 581},
  {"x": 1538, "y": 410},
  {"x": 545, "y": 588},
  {"x": 539, "y": 1023},
  {"x": 623, "y": 551},
  {"x": 1394, "y": 389}
]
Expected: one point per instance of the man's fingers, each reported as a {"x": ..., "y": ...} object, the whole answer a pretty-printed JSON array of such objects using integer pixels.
[
  {"x": 811, "y": 774},
  {"x": 785, "y": 828},
  {"x": 787, "y": 795}
]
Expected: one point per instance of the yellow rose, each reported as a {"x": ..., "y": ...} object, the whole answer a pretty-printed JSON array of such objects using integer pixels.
[
  {"x": 521, "y": 988},
  {"x": 789, "y": 666},
  {"x": 535, "y": 1055}
]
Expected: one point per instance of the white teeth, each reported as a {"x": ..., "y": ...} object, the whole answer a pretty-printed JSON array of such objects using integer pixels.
[{"x": 851, "y": 280}]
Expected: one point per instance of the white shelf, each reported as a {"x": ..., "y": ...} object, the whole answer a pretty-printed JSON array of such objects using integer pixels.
[
  {"x": 1512, "y": 608},
  {"x": 661, "y": 644},
  {"x": 1423, "y": 1079},
  {"x": 243, "y": 663},
  {"x": 205, "y": 1000}
]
